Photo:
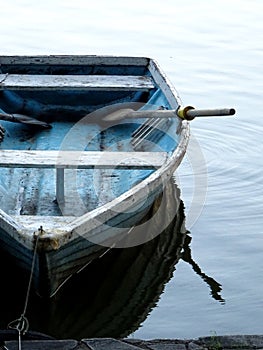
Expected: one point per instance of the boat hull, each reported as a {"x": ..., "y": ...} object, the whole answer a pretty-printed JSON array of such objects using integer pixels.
[{"x": 100, "y": 205}]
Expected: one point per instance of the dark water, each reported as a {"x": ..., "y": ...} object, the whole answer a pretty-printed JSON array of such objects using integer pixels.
[
  {"x": 212, "y": 52},
  {"x": 114, "y": 295}
]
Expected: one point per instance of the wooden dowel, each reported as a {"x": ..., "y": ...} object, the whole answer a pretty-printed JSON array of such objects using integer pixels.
[
  {"x": 131, "y": 114},
  {"x": 163, "y": 113},
  {"x": 187, "y": 113}
]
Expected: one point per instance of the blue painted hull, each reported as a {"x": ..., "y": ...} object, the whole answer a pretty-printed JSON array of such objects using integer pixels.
[{"x": 100, "y": 207}]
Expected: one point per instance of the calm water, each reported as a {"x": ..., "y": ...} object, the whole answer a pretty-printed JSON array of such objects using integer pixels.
[{"x": 212, "y": 52}]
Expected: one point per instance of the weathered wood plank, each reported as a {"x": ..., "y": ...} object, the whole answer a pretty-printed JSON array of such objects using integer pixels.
[
  {"x": 91, "y": 82},
  {"x": 33, "y": 221},
  {"x": 61, "y": 160},
  {"x": 81, "y": 160},
  {"x": 75, "y": 60}
]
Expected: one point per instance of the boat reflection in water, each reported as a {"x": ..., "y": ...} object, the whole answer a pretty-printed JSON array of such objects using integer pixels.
[{"x": 113, "y": 295}]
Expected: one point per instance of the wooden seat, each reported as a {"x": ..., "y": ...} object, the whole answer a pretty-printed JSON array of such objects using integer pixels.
[
  {"x": 80, "y": 159},
  {"x": 74, "y": 82},
  {"x": 61, "y": 160}
]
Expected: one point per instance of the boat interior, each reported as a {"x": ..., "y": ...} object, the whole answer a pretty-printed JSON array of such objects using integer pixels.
[{"x": 73, "y": 109}]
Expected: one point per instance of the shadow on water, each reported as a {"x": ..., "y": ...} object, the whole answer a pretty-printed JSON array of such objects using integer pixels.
[
  {"x": 215, "y": 287},
  {"x": 114, "y": 294}
]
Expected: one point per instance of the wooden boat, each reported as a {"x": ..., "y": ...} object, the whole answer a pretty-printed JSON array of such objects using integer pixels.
[{"x": 88, "y": 143}]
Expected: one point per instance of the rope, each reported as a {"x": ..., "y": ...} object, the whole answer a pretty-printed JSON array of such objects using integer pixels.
[
  {"x": 2, "y": 133},
  {"x": 4, "y": 78},
  {"x": 21, "y": 324}
]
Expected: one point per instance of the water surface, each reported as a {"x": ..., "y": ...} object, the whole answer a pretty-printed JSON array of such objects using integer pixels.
[{"x": 212, "y": 52}]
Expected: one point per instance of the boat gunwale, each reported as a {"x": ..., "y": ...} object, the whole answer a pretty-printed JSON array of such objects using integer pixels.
[{"x": 77, "y": 60}]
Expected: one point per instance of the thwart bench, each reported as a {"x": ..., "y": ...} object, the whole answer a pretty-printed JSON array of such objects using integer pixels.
[
  {"x": 74, "y": 82},
  {"x": 61, "y": 160}
]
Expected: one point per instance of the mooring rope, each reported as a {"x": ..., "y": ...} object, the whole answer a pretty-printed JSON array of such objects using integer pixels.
[
  {"x": 2, "y": 133},
  {"x": 21, "y": 324}
]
